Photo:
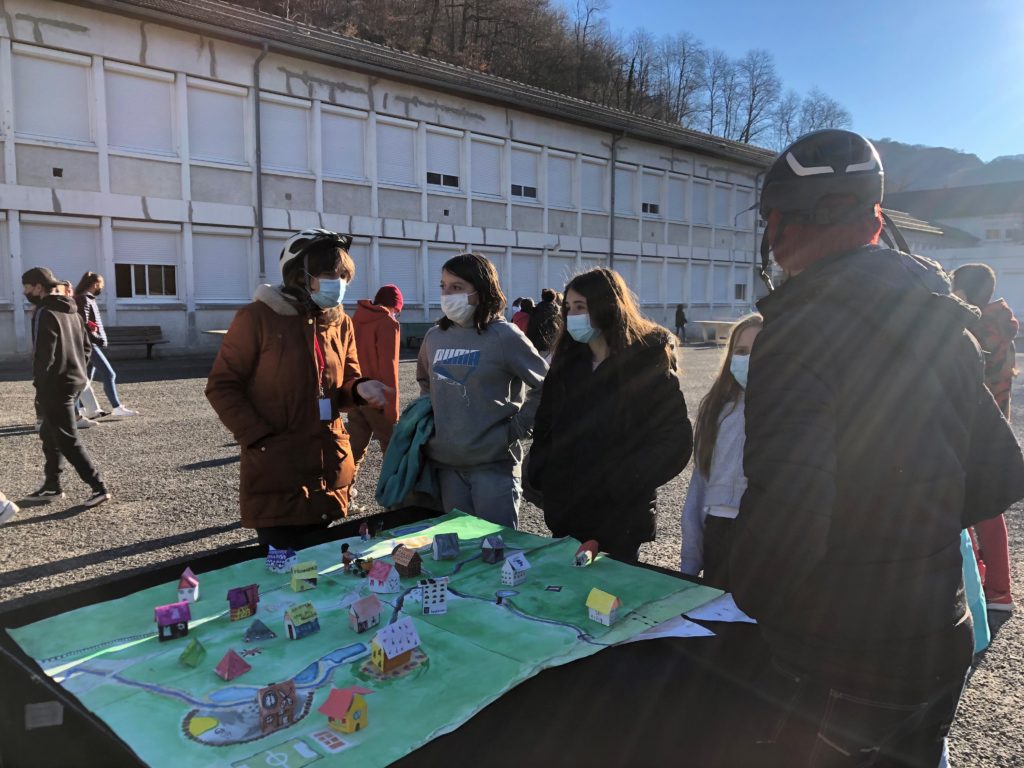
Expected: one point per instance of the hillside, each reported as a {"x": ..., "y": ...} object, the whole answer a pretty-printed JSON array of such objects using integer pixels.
[{"x": 913, "y": 166}]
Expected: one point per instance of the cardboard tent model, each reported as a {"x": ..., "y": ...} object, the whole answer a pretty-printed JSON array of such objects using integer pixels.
[
  {"x": 434, "y": 596},
  {"x": 514, "y": 570},
  {"x": 280, "y": 560},
  {"x": 304, "y": 576},
  {"x": 188, "y": 586},
  {"x": 193, "y": 654},
  {"x": 346, "y": 709},
  {"x": 492, "y": 549},
  {"x": 407, "y": 561},
  {"x": 393, "y": 645},
  {"x": 364, "y": 614},
  {"x": 445, "y": 546},
  {"x": 277, "y": 706},
  {"x": 301, "y": 620},
  {"x": 172, "y": 620},
  {"x": 231, "y": 666},
  {"x": 383, "y": 578},
  {"x": 603, "y": 607},
  {"x": 242, "y": 601},
  {"x": 259, "y": 631}
]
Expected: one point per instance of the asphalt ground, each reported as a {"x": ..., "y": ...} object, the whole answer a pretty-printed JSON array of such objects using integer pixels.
[{"x": 173, "y": 471}]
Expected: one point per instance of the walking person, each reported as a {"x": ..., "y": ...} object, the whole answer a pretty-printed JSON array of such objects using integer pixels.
[
  {"x": 59, "y": 375},
  {"x": 612, "y": 426},
  {"x": 88, "y": 288},
  {"x": 286, "y": 370},
  {"x": 476, "y": 368},
  {"x": 681, "y": 322},
  {"x": 545, "y": 324}
]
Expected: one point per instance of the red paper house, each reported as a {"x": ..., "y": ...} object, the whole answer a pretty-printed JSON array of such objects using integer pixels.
[
  {"x": 231, "y": 666},
  {"x": 242, "y": 601},
  {"x": 188, "y": 586},
  {"x": 346, "y": 709}
]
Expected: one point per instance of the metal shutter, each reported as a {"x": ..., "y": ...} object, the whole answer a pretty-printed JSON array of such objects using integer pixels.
[
  {"x": 273, "y": 242},
  {"x": 624, "y": 202},
  {"x": 486, "y": 160},
  {"x": 560, "y": 271},
  {"x": 524, "y": 167},
  {"x": 591, "y": 261},
  {"x": 560, "y": 181},
  {"x": 652, "y": 190},
  {"x": 51, "y": 98},
  {"x": 399, "y": 265},
  {"x": 700, "y": 202},
  {"x": 284, "y": 134},
  {"x": 146, "y": 246},
  {"x": 437, "y": 255},
  {"x": 360, "y": 287},
  {"x": 593, "y": 186},
  {"x": 675, "y": 285},
  {"x": 650, "y": 281},
  {"x": 396, "y": 154},
  {"x": 216, "y": 125},
  {"x": 139, "y": 113},
  {"x": 443, "y": 154},
  {"x": 699, "y": 283},
  {"x": 221, "y": 266},
  {"x": 69, "y": 250},
  {"x": 525, "y": 278},
  {"x": 723, "y": 209},
  {"x": 343, "y": 141},
  {"x": 722, "y": 289},
  {"x": 626, "y": 266},
  {"x": 744, "y": 199},
  {"x": 677, "y": 199}
]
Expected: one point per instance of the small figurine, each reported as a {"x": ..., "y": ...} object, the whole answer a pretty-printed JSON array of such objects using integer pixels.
[
  {"x": 193, "y": 654},
  {"x": 514, "y": 570},
  {"x": 172, "y": 620},
  {"x": 347, "y": 558},
  {"x": 301, "y": 620},
  {"x": 603, "y": 607},
  {"x": 445, "y": 546},
  {"x": 304, "y": 576},
  {"x": 346, "y": 709},
  {"x": 188, "y": 586},
  {"x": 407, "y": 561},
  {"x": 231, "y": 666},
  {"x": 586, "y": 554},
  {"x": 364, "y": 531},
  {"x": 277, "y": 706}
]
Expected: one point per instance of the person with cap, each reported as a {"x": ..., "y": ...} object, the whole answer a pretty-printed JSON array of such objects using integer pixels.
[
  {"x": 286, "y": 370},
  {"x": 377, "y": 341},
  {"x": 59, "y": 376},
  {"x": 871, "y": 442}
]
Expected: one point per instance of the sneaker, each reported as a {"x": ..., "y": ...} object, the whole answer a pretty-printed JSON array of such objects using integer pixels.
[
  {"x": 1001, "y": 602},
  {"x": 8, "y": 509},
  {"x": 122, "y": 413},
  {"x": 97, "y": 498},
  {"x": 84, "y": 423},
  {"x": 46, "y": 494},
  {"x": 39, "y": 424},
  {"x": 96, "y": 414}
]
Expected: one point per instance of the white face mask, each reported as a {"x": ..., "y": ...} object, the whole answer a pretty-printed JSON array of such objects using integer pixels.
[
  {"x": 738, "y": 367},
  {"x": 456, "y": 307}
]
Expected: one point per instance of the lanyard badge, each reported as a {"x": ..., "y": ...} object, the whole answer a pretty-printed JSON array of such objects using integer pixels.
[{"x": 323, "y": 403}]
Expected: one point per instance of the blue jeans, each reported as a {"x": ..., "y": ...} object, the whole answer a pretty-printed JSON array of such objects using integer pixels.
[
  {"x": 98, "y": 363},
  {"x": 491, "y": 492}
]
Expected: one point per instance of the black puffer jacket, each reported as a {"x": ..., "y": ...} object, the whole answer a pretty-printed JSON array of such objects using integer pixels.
[
  {"x": 62, "y": 348},
  {"x": 544, "y": 326},
  {"x": 604, "y": 440},
  {"x": 871, "y": 442}
]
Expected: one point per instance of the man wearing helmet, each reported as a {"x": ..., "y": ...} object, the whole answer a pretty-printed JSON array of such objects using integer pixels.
[
  {"x": 871, "y": 442},
  {"x": 286, "y": 370}
]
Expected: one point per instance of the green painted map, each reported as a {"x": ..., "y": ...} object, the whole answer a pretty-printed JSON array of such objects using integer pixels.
[{"x": 493, "y": 637}]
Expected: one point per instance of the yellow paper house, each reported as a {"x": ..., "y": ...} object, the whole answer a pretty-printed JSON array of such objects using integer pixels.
[
  {"x": 304, "y": 576},
  {"x": 603, "y": 607},
  {"x": 394, "y": 644},
  {"x": 346, "y": 709}
]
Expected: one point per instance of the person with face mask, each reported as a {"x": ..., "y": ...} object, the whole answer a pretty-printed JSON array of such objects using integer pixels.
[
  {"x": 612, "y": 426},
  {"x": 717, "y": 484},
  {"x": 88, "y": 289},
  {"x": 476, "y": 368},
  {"x": 286, "y": 371}
]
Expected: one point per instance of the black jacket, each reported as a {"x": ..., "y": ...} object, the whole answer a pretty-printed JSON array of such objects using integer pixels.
[
  {"x": 604, "y": 440},
  {"x": 871, "y": 442},
  {"x": 544, "y": 326},
  {"x": 62, "y": 348}
]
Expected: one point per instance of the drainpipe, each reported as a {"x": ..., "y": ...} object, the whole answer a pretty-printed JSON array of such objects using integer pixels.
[
  {"x": 259, "y": 162},
  {"x": 611, "y": 223}
]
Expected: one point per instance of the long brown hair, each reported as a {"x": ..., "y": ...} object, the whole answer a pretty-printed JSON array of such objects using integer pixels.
[
  {"x": 86, "y": 283},
  {"x": 479, "y": 272},
  {"x": 725, "y": 391}
]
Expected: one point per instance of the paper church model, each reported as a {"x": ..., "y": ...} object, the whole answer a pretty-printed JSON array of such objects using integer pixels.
[
  {"x": 364, "y": 614},
  {"x": 434, "y": 594},
  {"x": 242, "y": 601},
  {"x": 383, "y": 578},
  {"x": 193, "y": 654},
  {"x": 407, "y": 561},
  {"x": 172, "y": 620},
  {"x": 514, "y": 570},
  {"x": 188, "y": 586},
  {"x": 586, "y": 554},
  {"x": 277, "y": 706},
  {"x": 492, "y": 549},
  {"x": 445, "y": 546},
  {"x": 346, "y": 709},
  {"x": 301, "y": 620},
  {"x": 231, "y": 666},
  {"x": 393, "y": 645},
  {"x": 602, "y": 607},
  {"x": 280, "y": 560},
  {"x": 304, "y": 576}
]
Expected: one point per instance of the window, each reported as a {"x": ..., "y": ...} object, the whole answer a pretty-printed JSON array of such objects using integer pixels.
[
  {"x": 273, "y": 242},
  {"x": 560, "y": 173},
  {"x": 437, "y": 255},
  {"x": 216, "y": 122},
  {"x": 145, "y": 260},
  {"x": 651, "y": 194},
  {"x": 699, "y": 283},
  {"x": 723, "y": 209},
  {"x": 140, "y": 115},
  {"x": 284, "y": 134},
  {"x": 592, "y": 185},
  {"x": 744, "y": 201},
  {"x": 677, "y": 198},
  {"x": 524, "y": 173},
  {"x": 675, "y": 285},
  {"x": 359, "y": 288},
  {"x": 700, "y": 202},
  {"x": 69, "y": 247},
  {"x": 720, "y": 287},
  {"x": 626, "y": 266},
  {"x": 1014, "y": 234},
  {"x": 396, "y": 154},
  {"x": 51, "y": 94},
  {"x": 525, "y": 277},
  {"x": 486, "y": 159},
  {"x": 399, "y": 264},
  {"x": 443, "y": 160},
  {"x": 624, "y": 202},
  {"x": 650, "y": 281},
  {"x": 221, "y": 264},
  {"x": 993, "y": 234},
  {"x": 137, "y": 280},
  {"x": 741, "y": 292},
  {"x": 560, "y": 270},
  {"x": 342, "y": 144}
]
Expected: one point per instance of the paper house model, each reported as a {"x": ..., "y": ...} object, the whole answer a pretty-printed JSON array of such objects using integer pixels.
[
  {"x": 364, "y": 532},
  {"x": 242, "y": 601},
  {"x": 364, "y": 614},
  {"x": 188, "y": 586},
  {"x": 393, "y": 645},
  {"x": 280, "y": 560},
  {"x": 434, "y": 594},
  {"x": 259, "y": 631},
  {"x": 586, "y": 554},
  {"x": 193, "y": 654},
  {"x": 277, "y": 706},
  {"x": 602, "y": 607},
  {"x": 492, "y": 549},
  {"x": 383, "y": 578},
  {"x": 301, "y": 620},
  {"x": 407, "y": 561},
  {"x": 304, "y": 576},
  {"x": 346, "y": 709},
  {"x": 172, "y": 620},
  {"x": 445, "y": 546},
  {"x": 514, "y": 570},
  {"x": 231, "y": 666}
]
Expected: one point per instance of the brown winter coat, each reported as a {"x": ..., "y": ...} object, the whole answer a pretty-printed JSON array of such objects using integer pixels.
[{"x": 296, "y": 469}]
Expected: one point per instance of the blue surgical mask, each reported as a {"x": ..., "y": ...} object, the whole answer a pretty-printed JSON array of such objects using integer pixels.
[
  {"x": 580, "y": 329},
  {"x": 738, "y": 367},
  {"x": 330, "y": 294}
]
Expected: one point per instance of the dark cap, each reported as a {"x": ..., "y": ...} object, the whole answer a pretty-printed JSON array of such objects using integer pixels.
[{"x": 40, "y": 276}]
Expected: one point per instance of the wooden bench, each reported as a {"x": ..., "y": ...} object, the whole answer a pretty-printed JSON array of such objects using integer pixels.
[{"x": 135, "y": 335}]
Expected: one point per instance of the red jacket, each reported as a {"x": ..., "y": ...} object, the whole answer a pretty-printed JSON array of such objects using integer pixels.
[
  {"x": 377, "y": 338},
  {"x": 995, "y": 331}
]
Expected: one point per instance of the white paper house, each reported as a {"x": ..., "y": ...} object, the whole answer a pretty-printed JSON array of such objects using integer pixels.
[
  {"x": 383, "y": 578},
  {"x": 434, "y": 593},
  {"x": 398, "y": 638},
  {"x": 514, "y": 570}
]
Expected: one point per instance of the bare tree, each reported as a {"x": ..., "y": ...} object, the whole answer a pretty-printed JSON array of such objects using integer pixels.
[
  {"x": 715, "y": 83},
  {"x": 680, "y": 66},
  {"x": 759, "y": 90},
  {"x": 818, "y": 110},
  {"x": 785, "y": 119}
]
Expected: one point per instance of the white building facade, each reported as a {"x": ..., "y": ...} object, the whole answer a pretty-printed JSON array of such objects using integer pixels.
[{"x": 130, "y": 133}]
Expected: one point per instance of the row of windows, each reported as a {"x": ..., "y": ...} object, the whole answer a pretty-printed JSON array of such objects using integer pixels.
[{"x": 140, "y": 117}]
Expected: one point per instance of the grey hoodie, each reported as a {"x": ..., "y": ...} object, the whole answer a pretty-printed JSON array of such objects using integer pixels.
[{"x": 476, "y": 383}]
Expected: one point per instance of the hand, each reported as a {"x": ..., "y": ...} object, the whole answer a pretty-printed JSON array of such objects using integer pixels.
[{"x": 374, "y": 393}]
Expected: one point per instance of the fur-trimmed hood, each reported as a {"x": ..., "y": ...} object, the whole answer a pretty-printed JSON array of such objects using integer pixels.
[{"x": 277, "y": 300}]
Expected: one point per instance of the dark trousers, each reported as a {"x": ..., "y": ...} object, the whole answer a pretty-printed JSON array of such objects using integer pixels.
[
  {"x": 718, "y": 534},
  {"x": 60, "y": 441}
]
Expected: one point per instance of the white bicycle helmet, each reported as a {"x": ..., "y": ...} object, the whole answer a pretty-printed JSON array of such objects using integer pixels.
[{"x": 301, "y": 242}]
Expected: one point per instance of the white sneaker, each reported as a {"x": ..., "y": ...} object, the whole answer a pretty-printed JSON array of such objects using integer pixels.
[
  {"x": 84, "y": 423},
  {"x": 122, "y": 413},
  {"x": 8, "y": 509}
]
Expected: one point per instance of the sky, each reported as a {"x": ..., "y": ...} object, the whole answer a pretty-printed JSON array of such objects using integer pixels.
[{"x": 944, "y": 73}]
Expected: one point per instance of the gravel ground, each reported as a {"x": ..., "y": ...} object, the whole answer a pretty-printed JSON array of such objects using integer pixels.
[{"x": 174, "y": 475}]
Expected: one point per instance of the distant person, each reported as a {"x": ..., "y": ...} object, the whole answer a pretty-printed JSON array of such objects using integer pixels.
[
  {"x": 522, "y": 317},
  {"x": 286, "y": 370},
  {"x": 59, "y": 375},
  {"x": 89, "y": 287},
  {"x": 995, "y": 331},
  {"x": 476, "y": 370},
  {"x": 681, "y": 322},
  {"x": 717, "y": 484},
  {"x": 545, "y": 323},
  {"x": 612, "y": 426},
  {"x": 377, "y": 341}
]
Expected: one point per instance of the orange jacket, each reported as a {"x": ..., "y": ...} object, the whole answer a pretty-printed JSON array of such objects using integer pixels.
[{"x": 377, "y": 339}]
